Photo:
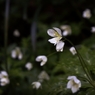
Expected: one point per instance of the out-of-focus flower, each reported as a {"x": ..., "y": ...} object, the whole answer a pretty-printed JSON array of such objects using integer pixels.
[
  {"x": 57, "y": 36},
  {"x": 73, "y": 51},
  {"x": 43, "y": 75},
  {"x": 36, "y": 85},
  {"x": 87, "y": 13},
  {"x": 93, "y": 29},
  {"x": 16, "y": 33},
  {"x": 4, "y": 78},
  {"x": 29, "y": 66},
  {"x": 42, "y": 59},
  {"x": 66, "y": 30},
  {"x": 74, "y": 84},
  {"x": 16, "y": 53}
]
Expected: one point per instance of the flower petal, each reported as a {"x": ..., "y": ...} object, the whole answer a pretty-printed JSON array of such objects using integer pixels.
[
  {"x": 4, "y": 73},
  {"x": 57, "y": 30},
  {"x": 74, "y": 79},
  {"x": 41, "y": 58},
  {"x": 42, "y": 63},
  {"x": 51, "y": 32},
  {"x": 20, "y": 56},
  {"x": 93, "y": 29},
  {"x": 54, "y": 40},
  {"x": 71, "y": 77},
  {"x": 4, "y": 81},
  {"x": 74, "y": 88},
  {"x": 13, "y": 54},
  {"x": 59, "y": 46},
  {"x": 70, "y": 84}
]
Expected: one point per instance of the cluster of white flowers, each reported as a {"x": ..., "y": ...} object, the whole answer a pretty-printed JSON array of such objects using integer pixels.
[
  {"x": 56, "y": 40},
  {"x": 74, "y": 84},
  {"x": 42, "y": 76},
  {"x": 87, "y": 14},
  {"x": 16, "y": 53},
  {"x": 4, "y": 80}
]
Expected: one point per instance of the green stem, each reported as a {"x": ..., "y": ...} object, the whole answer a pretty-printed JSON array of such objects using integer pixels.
[
  {"x": 51, "y": 54},
  {"x": 6, "y": 32},
  {"x": 88, "y": 81},
  {"x": 84, "y": 66}
]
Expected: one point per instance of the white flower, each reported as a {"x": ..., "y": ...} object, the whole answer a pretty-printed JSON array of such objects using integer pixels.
[
  {"x": 43, "y": 75},
  {"x": 16, "y": 33},
  {"x": 42, "y": 59},
  {"x": 73, "y": 51},
  {"x": 16, "y": 53},
  {"x": 87, "y": 13},
  {"x": 4, "y": 81},
  {"x": 4, "y": 78},
  {"x": 93, "y": 29},
  {"x": 74, "y": 84},
  {"x": 59, "y": 46},
  {"x": 36, "y": 85},
  {"x": 66, "y": 30},
  {"x": 29, "y": 66},
  {"x": 57, "y": 36}
]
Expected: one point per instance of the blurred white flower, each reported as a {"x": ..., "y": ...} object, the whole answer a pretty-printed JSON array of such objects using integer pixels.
[
  {"x": 57, "y": 36},
  {"x": 87, "y": 13},
  {"x": 66, "y": 30},
  {"x": 43, "y": 75},
  {"x": 4, "y": 78},
  {"x": 36, "y": 85},
  {"x": 74, "y": 84},
  {"x": 73, "y": 51},
  {"x": 29, "y": 66},
  {"x": 3, "y": 73},
  {"x": 59, "y": 46},
  {"x": 16, "y": 53},
  {"x": 93, "y": 29},
  {"x": 42, "y": 59},
  {"x": 16, "y": 33}
]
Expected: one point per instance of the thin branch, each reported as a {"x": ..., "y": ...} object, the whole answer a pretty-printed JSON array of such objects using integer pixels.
[{"x": 6, "y": 31}]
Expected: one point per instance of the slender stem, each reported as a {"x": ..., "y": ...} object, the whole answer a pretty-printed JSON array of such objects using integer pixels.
[
  {"x": 6, "y": 32},
  {"x": 85, "y": 68},
  {"x": 89, "y": 82},
  {"x": 51, "y": 54}
]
